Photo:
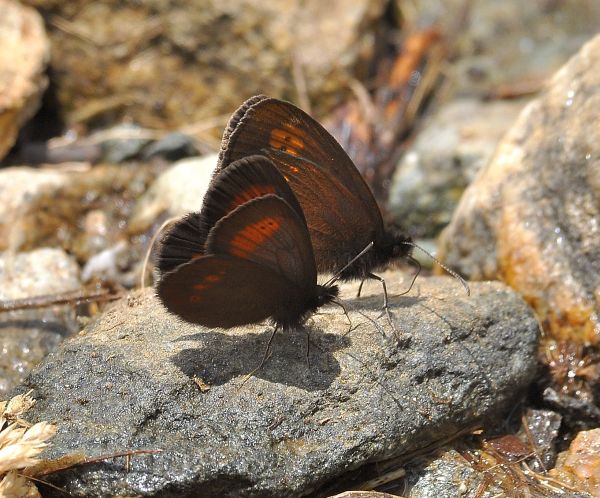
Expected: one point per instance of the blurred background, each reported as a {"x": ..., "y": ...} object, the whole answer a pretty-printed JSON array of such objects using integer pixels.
[
  {"x": 112, "y": 112},
  {"x": 417, "y": 91}
]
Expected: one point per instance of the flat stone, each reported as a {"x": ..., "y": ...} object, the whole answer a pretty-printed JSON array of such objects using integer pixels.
[
  {"x": 452, "y": 147},
  {"x": 531, "y": 218},
  {"x": 138, "y": 378}
]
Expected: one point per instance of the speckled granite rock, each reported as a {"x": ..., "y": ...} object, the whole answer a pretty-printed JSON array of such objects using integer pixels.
[
  {"x": 531, "y": 218},
  {"x": 139, "y": 379}
]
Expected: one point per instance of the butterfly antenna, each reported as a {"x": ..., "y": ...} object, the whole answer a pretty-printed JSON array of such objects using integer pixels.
[
  {"x": 165, "y": 224},
  {"x": 359, "y": 255},
  {"x": 451, "y": 272}
]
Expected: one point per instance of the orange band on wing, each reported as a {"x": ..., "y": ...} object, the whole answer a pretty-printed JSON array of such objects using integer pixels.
[
  {"x": 287, "y": 140},
  {"x": 250, "y": 193},
  {"x": 251, "y": 236}
]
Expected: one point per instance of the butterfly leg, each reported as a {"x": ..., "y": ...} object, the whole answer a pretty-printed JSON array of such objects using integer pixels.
[
  {"x": 346, "y": 314},
  {"x": 266, "y": 356},
  {"x": 360, "y": 287},
  {"x": 307, "y": 330},
  {"x": 386, "y": 308}
]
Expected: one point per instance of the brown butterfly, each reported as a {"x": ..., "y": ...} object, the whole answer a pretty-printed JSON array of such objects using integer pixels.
[
  {"x": 341, "y": 213},
  {"x": 246, "y": 257}
]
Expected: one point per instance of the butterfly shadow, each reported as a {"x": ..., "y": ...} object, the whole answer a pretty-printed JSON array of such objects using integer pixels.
[{"x": 222, "y": 357}]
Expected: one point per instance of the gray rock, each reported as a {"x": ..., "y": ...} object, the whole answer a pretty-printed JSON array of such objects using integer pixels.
[
  {"x": 173, "y": 147},
  {"x": 177, "y": 191},
  {"x": 447, "y": 154},
  {"x": 543, "y": 427},
  {"x": 531, "y": 218},
  {"x": 28, "y": 335},
  {"x": 35, "y": 273},
  {"x": 138, "y": 378},
  {"x": 511, "y": 44},
  {"x": 18, "y": 187},
  {"x": 128, "y": 143}
]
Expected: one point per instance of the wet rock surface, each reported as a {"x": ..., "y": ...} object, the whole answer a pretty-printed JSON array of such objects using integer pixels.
[
  {"x": 26, "y": 336},
  {"x": 448, "y": 476},
  {"x": 449, "y": 151},
  {"x": 580, "y": 464},
  {"x": 138, "y": 378},
  {"x": 451, "y": 475},
  {"x": 531, "y": 216}
]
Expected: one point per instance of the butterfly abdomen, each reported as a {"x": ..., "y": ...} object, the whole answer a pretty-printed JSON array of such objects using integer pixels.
[{"x": 298, "y": 307}]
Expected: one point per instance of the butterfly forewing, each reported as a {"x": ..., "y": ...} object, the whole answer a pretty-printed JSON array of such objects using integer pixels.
[
  {"x": 332, "y": 219},
  {"x": 267, "y": 231},
  {"x": 303, "y": 150},
  {"x": 235, "y": 119}
]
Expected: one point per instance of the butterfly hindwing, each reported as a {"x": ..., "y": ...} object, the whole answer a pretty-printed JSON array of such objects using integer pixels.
[
  {"x": 183, "y": 242},
  {"x": 244, "y": 180},
  {"x": 223, "y": 291},
  {"x": 267, "y": 231}
]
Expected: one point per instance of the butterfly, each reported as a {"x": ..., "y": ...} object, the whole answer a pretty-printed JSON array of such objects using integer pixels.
[
  {"x": 342, "y": 215},
  {"x": 251, "y": 254}
]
